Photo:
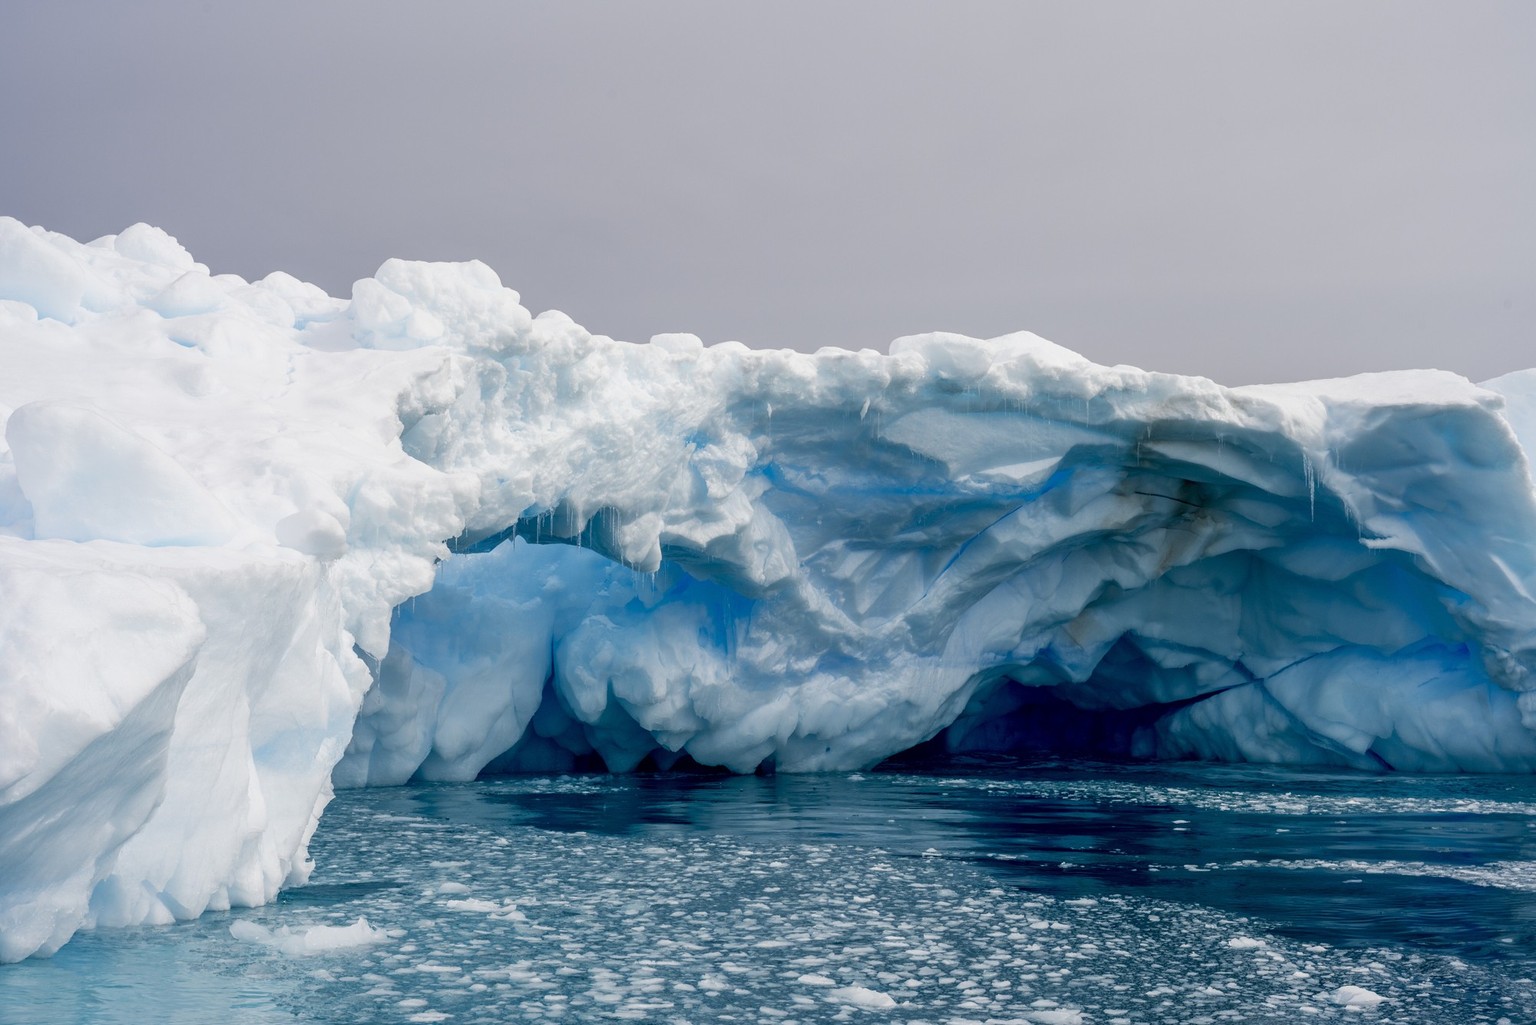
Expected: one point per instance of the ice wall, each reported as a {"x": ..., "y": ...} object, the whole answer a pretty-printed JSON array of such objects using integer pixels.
[
  {"x": 1320, "y": 574},
  {"x": 252, "y": 536}
]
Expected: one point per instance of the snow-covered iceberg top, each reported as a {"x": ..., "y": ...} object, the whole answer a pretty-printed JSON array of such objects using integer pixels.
[{"x": 254, "y": 538}]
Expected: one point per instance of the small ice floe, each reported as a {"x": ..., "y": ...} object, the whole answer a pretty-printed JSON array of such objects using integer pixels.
[
  {"x": 318, "y": 939},
  {"x": 1058, "y": 1016},
  {"x": 858, "y": 996},
  {"x": 1246, "y": 943},
  {"x": 1356, "y": 996},
  {"x": 473, "y": 904}
]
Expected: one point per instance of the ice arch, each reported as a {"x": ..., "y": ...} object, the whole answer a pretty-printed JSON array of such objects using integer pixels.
[
  {"x": 994, "y": 573},
  {"x": 249, "y": 538}
]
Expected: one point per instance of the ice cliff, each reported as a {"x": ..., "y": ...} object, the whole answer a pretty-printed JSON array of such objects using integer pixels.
[{"x": 254, "y": 538}]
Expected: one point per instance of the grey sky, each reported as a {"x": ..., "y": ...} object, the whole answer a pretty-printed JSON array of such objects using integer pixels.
[{"x": 1249, "y": 192}]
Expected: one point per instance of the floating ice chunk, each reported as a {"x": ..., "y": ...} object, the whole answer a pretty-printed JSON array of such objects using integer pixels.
[
  {"x": 859, "y": 996},
  {"x": 1356, "y": 996},
  {"x": 317, "y": 939},
  {"x": 477, "y": 904},
  {"x": 1055, "y": 1016}
]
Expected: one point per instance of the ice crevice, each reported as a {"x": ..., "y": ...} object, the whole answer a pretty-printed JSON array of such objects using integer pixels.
[{"x": 284, "y": 539}]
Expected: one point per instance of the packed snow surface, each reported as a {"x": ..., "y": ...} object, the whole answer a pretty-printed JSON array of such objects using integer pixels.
[{"x": 255, "y": 538}]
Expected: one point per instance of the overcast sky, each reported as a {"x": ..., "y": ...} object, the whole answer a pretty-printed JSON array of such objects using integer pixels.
[{"x": 1252, "y": 192}]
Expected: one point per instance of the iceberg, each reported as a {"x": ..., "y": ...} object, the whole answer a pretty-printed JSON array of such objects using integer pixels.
[{"x": 257, "y": 542}]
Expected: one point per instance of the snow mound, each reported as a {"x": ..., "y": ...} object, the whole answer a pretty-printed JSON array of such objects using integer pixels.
[{"x": 257, "y": 539}]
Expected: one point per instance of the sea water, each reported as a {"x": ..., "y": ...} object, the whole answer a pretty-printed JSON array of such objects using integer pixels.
[{"x": 993, "y": 890}]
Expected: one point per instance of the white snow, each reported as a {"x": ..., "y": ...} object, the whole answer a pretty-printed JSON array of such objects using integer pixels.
[{"x": 248, "y": 537}]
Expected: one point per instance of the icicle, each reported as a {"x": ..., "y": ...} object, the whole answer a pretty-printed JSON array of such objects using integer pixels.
[{"x": 1311, "y": 475}]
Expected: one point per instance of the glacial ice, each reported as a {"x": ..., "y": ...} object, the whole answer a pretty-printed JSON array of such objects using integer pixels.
[{"x": 256, "y": 539}]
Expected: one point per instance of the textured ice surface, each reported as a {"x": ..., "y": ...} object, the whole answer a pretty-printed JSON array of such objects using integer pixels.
[{"x": 419, "y": 532}]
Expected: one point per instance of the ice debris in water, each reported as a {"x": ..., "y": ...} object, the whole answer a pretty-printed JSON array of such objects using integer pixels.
[
  {"x": 255, "y": 539},
  {"x": 859, "y": 996},
  {"x": 316, "y": 939},
  {"x": 1356, "y": 996},
  {"x": 720, "y": 927}
]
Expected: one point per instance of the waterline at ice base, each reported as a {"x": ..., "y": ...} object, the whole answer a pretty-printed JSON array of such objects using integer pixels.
[{"x": 257, "y": 541}]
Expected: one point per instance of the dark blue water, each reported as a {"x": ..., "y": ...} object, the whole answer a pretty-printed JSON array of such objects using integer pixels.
[{"x": 1046, "y": 892}]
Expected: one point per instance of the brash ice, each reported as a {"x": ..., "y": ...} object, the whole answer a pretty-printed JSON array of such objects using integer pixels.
[{"x": 254, "y": 539}]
